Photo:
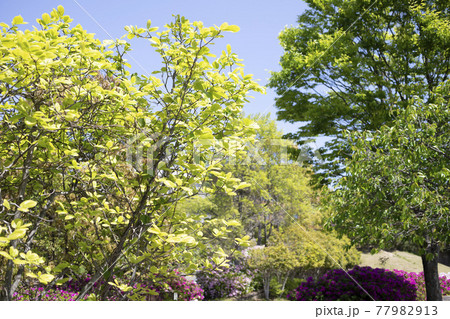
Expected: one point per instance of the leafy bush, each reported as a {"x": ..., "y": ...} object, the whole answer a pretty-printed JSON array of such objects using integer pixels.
[
  {"x": 222, "y": 282},
  {"x": 296, "y": 250},
  {"x": 292, "y": 283},
  {"x": 418, "y": 280},
  {"x": 381, "y": 284}
]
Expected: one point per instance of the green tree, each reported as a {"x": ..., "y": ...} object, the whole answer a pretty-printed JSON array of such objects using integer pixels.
[
  {"x": 348, "y": 63},
  {"x": 98, "y": 158},
  {"x": 397, "y": 184},
  {"x": 271, "y": 261},
  {"x": 297, "y": 250},
  {"x": 278, "y": 189}
]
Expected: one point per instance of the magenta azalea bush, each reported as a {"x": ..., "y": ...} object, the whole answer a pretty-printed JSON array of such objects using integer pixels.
[
  {"x": 336, "y": 285},
  {"x": 69, "y": 291},
  {"x": 418, "y": 280},
  {"x": 57, "y": 294},
  {"x": 222, "y": 282},
  {"x": 186, "y": 290}
]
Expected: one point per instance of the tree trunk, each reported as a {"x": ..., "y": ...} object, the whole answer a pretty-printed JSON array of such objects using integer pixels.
[
  {"x": 430, "y": 270},
  {"x": 259, "y": 241},
  {"x": 266, "y": 283}
]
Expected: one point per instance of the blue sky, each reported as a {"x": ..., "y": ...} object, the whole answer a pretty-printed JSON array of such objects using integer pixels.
[{"x": 257, "y": 42}]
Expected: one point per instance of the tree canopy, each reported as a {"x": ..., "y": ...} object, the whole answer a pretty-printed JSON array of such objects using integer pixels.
[
  {"x": 349, "y": 63},
  {"x": 93, "y": 159},
  {"x": 397, "y": 188}
]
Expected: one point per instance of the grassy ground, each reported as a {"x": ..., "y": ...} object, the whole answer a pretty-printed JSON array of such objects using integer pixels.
[{"x": 397, "y": 260}]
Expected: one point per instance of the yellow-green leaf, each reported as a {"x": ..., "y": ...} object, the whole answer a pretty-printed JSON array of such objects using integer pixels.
[
  {"x": 6, "y": 204},
  {"x": 5, "y": 254},
  {"x": 46, "y": 18},
  {"x": 30, "y": 274},
  {"x": 13, "y": 252},
  {"x": 24, "y": 206},
  {"x": 18, "y": 233},
  {"x": 60, "y": 10},
  {"x": 20, "y": 262},
  {"x": 45, "y": 278},
  {"x": 17, "y": 20},
  {"x": 233, "y": 223}
]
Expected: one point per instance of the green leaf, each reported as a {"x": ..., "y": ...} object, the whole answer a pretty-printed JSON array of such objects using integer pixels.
[
  {"x": 45, "y": 278},
  {"x": 168, "y": 183},
  {"x": 46, "y": 18},
  {"x": 61, "y": 281},
  {"x": 17, "y": 234},
  {"x": 31, "y": 275},
  {"x": 5, "y": 254},
  {"x": 17, "y": 20},
  {"x": 60, "y": 10},
  {"x": 20, "y": 262},
  {"x": 24, "y": 206},
  {"x": 6, "y": 204},
  {"x": 13, "y": 252},
  {"x": 231, "y": 28},
  {"x": 233, "y": 223},
  {"x": 153, "y": 270},
  {"x": 16, "y": 223}
]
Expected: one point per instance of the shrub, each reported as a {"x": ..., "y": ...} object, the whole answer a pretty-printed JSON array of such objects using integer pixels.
[
  {"x": 222, "y": 282},
  {"x": 57, "y": 294},
  {"x": 165, "y": 287},
  {"x": 418, "y": 280},
  {"x": 381, "y": 284}
]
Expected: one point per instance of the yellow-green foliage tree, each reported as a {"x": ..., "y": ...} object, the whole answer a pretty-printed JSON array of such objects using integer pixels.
[
  {"x": 278, "y": 189},
  {"x": 93, "y": 160}
]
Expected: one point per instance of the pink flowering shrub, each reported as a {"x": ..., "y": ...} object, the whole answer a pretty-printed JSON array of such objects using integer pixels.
[
  {"x": 187, "y": 290},
  {"x": 336, "y": 285},
  {"x": 418, "y": 280},
  {"x": 57, "y": 294},
  {"x": 69, "y": 291}
]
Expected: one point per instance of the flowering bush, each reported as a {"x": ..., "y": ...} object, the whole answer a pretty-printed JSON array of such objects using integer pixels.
[
  {"x": 164, "y": 287},
  {"x": 418, "y": 280},
  {"x": 68, "y": 291},
  {"x": 57, "y": 294},
  {"x": 222, "y": 282},
  {"x": 381, "y": 284}
]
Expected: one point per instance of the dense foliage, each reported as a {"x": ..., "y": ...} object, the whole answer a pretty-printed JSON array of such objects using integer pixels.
[
  {"x": 397, "y": 185},
  {"x": 94, "y": 159},
  {"x": 348, "y": 63},
  {"x": 278, "y": 191},
  {"x": 361, "y": 283}
]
